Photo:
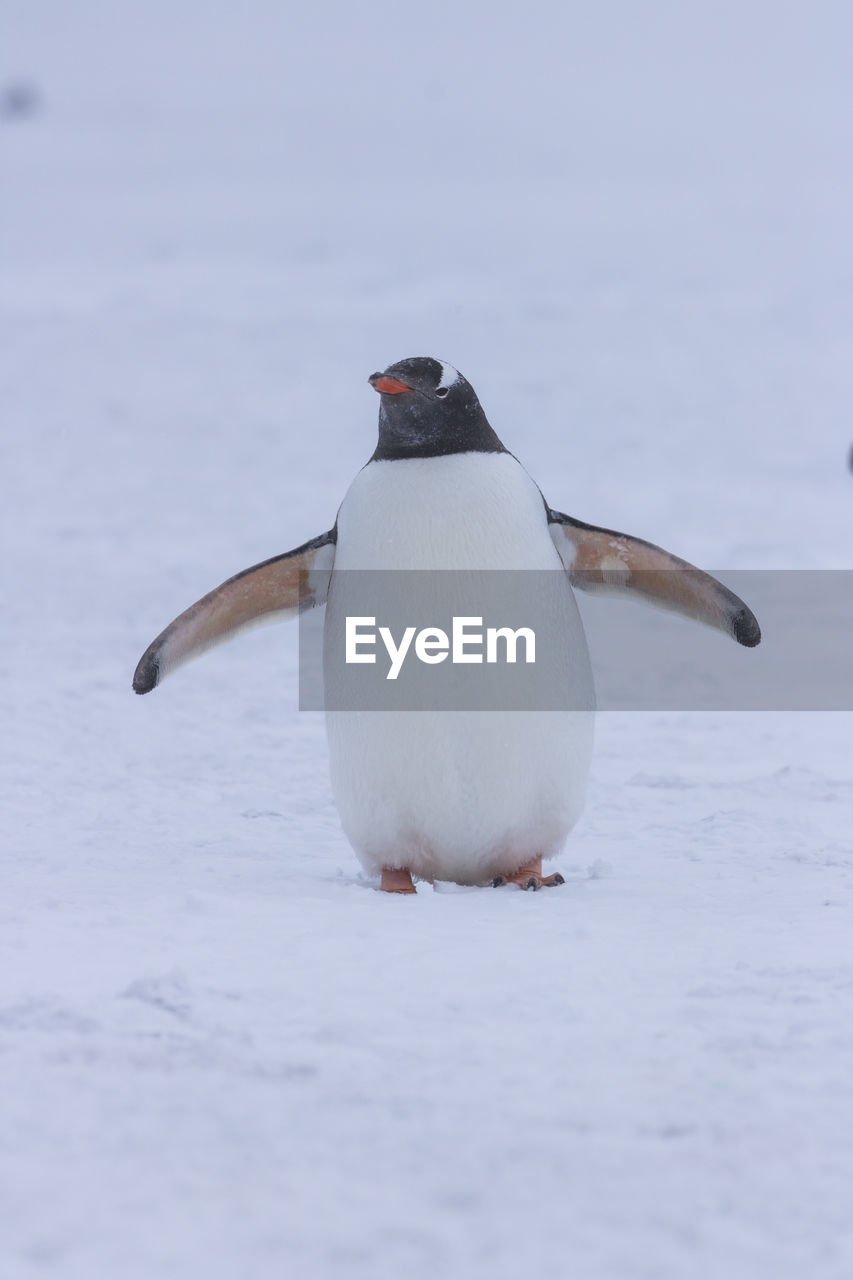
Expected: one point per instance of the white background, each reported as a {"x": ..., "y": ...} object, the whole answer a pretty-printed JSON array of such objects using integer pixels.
[{"x": 221, "y": 1053}]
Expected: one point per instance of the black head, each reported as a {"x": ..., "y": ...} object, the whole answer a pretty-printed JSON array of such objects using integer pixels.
[{"x": 427, "y": 408}]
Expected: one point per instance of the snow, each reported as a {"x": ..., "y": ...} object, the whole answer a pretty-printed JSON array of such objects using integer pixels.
[{"x": 221, "y": 1052}]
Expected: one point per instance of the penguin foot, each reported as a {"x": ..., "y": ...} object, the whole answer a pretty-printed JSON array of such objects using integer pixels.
[
  {"x": 529, "y": 876},
  {"x": 396, "y": 880}
]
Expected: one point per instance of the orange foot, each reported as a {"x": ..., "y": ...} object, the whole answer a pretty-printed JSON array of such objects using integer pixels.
[
  {"x": 529, "y": 876},
  {"x": 397, "y": 880}
]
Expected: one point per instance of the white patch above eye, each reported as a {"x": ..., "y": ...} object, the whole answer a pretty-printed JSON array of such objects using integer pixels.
[{"x": 449, "y": 375}]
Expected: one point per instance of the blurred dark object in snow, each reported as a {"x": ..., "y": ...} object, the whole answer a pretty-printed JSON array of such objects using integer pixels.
[{"x": 18, "y": 100}]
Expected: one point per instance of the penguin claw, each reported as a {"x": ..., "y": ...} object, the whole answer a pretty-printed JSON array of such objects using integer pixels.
[{"x": 530, "y": 878}]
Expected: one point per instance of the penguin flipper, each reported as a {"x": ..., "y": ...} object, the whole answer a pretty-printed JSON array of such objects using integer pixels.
[
  {"x": 271, "y": 591},
  {"x": 607, "y": 562}
]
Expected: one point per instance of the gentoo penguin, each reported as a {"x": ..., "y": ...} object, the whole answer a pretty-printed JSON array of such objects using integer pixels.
[{"x": 471, "y": 796}]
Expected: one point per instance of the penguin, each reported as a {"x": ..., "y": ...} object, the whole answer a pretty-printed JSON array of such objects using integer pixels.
[{"x": 475, "y": 797}]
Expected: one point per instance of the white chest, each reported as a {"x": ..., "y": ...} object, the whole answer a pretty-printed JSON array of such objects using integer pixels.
[
  {"x": 454, "y": 795},
  {"x": 462, "y": 511}
]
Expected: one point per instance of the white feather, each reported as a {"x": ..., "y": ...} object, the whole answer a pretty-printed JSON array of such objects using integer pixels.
[
  {"x": 449, "y": 375},
  {"x": 454, "y": 795}
]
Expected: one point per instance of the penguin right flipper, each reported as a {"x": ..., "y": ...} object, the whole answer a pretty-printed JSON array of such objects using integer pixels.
[
  {"x": 602, "y": 560},
  {"x": 272, "y": 591}
]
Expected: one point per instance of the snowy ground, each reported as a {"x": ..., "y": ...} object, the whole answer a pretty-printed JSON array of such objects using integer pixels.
[{"x": 221, "y": 1053}]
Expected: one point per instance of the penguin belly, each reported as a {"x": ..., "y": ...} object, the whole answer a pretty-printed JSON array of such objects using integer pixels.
[{"x": 454, "y": 795}]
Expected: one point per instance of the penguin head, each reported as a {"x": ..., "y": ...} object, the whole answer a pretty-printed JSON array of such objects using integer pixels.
[{"x": 426, "y": 409}]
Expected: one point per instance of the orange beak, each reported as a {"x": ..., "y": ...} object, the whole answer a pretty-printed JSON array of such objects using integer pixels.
[{"x": 387, "y": 386}]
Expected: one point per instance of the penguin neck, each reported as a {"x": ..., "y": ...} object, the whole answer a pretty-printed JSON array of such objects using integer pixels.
[{"x": 467, "y": 432}]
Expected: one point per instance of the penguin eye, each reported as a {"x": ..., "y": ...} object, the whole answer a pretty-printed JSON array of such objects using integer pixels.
[{"x": 441, "y": 392}]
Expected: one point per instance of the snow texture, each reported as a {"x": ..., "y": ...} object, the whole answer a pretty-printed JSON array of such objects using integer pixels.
[{"x": 221, "y": 1053}]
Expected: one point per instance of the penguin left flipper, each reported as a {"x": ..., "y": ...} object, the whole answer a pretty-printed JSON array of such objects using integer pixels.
[
  {"x": 271, "y": 591},
  {"x": 607, "y": 562}
]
